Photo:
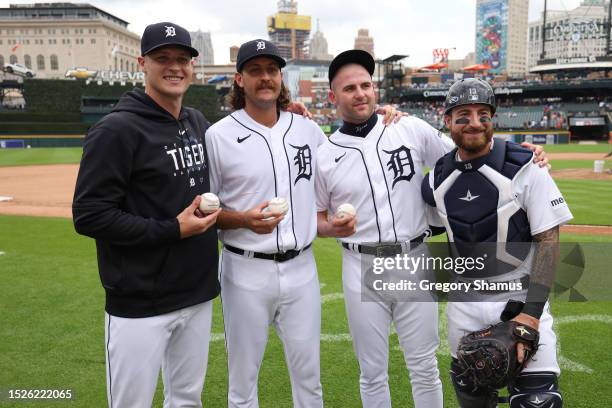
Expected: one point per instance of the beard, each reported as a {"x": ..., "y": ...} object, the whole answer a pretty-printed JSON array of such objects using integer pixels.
[{"x": 471, "y": 143}]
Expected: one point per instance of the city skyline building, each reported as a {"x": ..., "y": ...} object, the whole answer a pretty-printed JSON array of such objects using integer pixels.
[
  {"x": 318, "y": 46},
  {"x": 234, "y": 53},
  {"x": 571, "y": 34},
  {"x": 363, "y": 41},
  {"x": 289, "y": 30},
  {"x": 297, "y": 73},
  {"x": 501, "y": 35},
  {"x": 202, "y": 42},
  {"x": 51, "y": 38},
  {"x": 456, "y": 65}
]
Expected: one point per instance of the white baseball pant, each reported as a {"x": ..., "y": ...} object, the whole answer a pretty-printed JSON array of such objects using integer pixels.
[
  {"x": 136, "y": 349},
  {"x": 417, "y": 329},
  {"x": 257, "y": 293}
]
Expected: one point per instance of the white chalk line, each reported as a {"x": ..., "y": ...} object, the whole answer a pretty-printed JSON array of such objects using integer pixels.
[
  {"x": 330, "y": 297},
  {"x": 565, "y": 362},
  {"x": 443, "y": 350}
]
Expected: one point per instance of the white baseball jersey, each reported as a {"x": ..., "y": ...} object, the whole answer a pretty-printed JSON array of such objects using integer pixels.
[
  {"x": 251, "y": 163},
  {"x": 380, "y": 175},
  {"x": 537, "y": 193}
]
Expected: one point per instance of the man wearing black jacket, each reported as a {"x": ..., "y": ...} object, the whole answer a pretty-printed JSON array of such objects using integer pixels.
[{"x": 143, "y": 169}]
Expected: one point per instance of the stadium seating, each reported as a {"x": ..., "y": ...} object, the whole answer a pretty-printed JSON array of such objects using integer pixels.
[
  {"x": 519, "y": 117},
  {"x": 579, "y": 107}
]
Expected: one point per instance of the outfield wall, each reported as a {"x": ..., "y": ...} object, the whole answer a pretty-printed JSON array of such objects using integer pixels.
[
  {"x": 60, "y": 107},
  {"x": 24, "y": 141},
  {"x": 76, "y": 140},
  {"x": 552, "y": 137}
]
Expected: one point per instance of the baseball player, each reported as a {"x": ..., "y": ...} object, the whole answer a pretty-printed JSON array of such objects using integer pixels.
[
  {"x": 378, "y": 170},
  {"x": 143, "y": 169},
  {"x": 488, "y": 190},
  {"x": 267, "y": 269}
]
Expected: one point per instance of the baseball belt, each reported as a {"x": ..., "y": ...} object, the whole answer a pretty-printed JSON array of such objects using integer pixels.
[
  {"x": 276, "y": 257},
  {"x": 385, "y": 250}
]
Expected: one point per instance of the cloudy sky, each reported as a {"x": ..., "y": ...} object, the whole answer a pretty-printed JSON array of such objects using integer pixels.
[{"x": 413, "y": 27}]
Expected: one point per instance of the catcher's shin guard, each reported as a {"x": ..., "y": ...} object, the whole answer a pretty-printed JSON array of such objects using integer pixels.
[
  {"x": 468, "y": 394},
  {"x": 535, "y": 390}
]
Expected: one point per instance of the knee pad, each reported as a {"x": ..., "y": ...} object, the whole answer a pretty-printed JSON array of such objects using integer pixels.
[
  {"x": 468, "y": 394},
  {"x": 535, "y": 390}
]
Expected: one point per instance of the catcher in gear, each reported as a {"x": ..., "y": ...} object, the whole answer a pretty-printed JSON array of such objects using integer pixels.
[{"x": 489, "y": 191}]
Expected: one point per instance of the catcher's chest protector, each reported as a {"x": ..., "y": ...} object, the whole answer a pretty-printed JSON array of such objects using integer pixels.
[{"x": 476, "y": 201}]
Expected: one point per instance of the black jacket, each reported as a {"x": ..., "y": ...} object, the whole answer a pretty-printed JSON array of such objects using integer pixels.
[{"x": 140, "y": 168}]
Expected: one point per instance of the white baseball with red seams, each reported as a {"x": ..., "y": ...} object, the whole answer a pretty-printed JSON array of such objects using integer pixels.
[
  {"x": 345, "y": 210},
  {"x": 209, "y": 203},
  {"x": 278, "y": 205}
]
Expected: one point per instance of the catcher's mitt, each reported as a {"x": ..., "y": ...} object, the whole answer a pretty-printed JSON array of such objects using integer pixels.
[{"x": 489, "y": 357}]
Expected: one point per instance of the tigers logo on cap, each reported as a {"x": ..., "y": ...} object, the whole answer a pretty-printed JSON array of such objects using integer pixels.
[
  {"x": 170, "y": 31},
  {"x": 165, "y": 34},
  {"x": 258, "y": 48}
]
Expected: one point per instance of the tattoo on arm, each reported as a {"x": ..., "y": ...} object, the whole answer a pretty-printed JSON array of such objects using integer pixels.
[
  {"x": 543, "y": 271},
  {"x": 545, "y": 257}
]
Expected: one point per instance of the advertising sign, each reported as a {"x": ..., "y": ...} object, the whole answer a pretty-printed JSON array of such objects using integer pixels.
[{"x": 491, "y": 34}]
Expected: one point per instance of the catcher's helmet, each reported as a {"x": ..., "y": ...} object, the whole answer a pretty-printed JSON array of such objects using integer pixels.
[{"x": 469, "y": 91}]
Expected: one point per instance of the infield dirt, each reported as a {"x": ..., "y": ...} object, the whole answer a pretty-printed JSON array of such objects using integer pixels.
[{"x": 47, "y": 191}]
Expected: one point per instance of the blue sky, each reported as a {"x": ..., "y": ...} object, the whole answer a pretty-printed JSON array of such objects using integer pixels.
[{"x": 398, "y": 26}]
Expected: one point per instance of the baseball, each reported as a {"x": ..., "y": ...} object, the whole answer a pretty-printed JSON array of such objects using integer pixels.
[
  {"x": 346, "y": 210},
  {"x": 209, "y": 203},
  {"x": 278, "y": 205}
]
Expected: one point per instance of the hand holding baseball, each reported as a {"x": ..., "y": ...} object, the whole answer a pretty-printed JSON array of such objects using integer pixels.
[
  {"x": 191, "y": 224},
  {"x": 278, "y": 205},
  {"x": 209, "y": 203},
  {"x": 344, "y": 222},
  {"x": 261, "y": 219},
  {"x": 345, "y": 210}
]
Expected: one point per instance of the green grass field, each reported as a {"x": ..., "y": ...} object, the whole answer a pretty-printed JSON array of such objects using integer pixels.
[
  {"x": 52, "y": 329},
  {"x": 579, "y": 148},
  {"x": 52, "y": 313},
  {"x": 60, "y": 155},
  {"x": 576, "y": 164},
  {"x": 589, "y": 200},
  {"x": 44, "y": 155}
]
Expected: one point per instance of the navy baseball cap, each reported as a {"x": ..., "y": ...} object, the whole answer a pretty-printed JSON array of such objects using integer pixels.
[
  {"x": 163, "y": 34},
  {"x": 258, "y": 48},
  {"x": 359, "y": 57}
]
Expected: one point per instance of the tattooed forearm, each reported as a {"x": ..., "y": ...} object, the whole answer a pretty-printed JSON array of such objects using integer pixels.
[
  {"x": 543, "y": 271},
  {"x": 545, "y": 257}
]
